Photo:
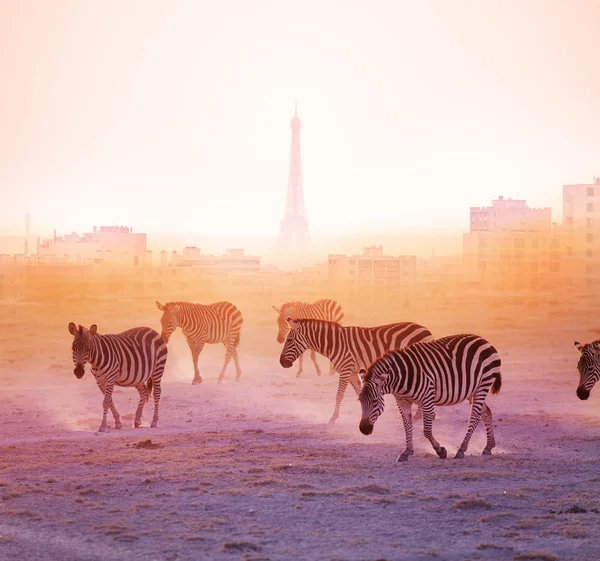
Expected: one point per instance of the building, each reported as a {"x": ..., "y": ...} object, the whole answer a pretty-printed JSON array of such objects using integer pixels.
[
  {"x": 234, "y": 261},
  {"x": 581, "y": 233},
  {"x": 510, "y": 215},
  {"x": 512, "y": 247},
  {"x": 373, "y": 277},
  {"x": 103, "y": 246}
]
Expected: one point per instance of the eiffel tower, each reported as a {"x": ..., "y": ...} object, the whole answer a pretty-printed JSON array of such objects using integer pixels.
[{"x": 294, "y": 239}]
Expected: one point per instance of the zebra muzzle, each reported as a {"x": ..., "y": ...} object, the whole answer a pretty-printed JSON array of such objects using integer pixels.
[
  {"x": 365, "y": 426},
  {"x": 285, "y": 362},
  {"x": 582, "y": 393},
  {"x": 79, "y": 371}
]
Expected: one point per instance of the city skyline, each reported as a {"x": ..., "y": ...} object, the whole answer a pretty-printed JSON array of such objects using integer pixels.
[{"x": 159, "y": 132}]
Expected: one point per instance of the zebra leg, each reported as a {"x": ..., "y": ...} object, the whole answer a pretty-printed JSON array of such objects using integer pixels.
[
  {"x": 113, "y": 409},
  {"x": 156, "y": 390},
  {"x": 108, "y": 390},
  {"x": 427, "y": 406},
  {"x": 196, "y": 348},
  {"x": 331, "y": 369},
  {"x": 419, "y": 413},
  {"x": 476, "y": 406},
  {"x": 486, "y": 415},
  {"x": 238, "y": 370},
  {"x": 342, "y": 384},
  {"x": 299, "y": 366},
  {"x": 313, "y": 357},
  {"x": 143, "y": 391},
  {"x": 229, "y": 348},
  {"x": 404, "y": 408},
  {"x": 355, "y": 382}
]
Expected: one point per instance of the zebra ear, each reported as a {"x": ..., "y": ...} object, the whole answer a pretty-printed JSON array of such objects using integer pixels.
[
  {"x": 363, "y": 375},
  {"x": 93, "y": 330},
  {"x": 383, "y": 376},
  {"x": 291, "y": 323},
  {"x": 176, "y": 308},
  {"x": 72, "y": 328},
  {"x": 160, "y": 306},
  {"x": 276, "y": 309},
  {"x": 578, "y": 346}
]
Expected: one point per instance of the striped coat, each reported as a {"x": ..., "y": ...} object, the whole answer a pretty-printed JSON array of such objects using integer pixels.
[
  {"x": 442, "y": 372},
  {"x": 348, "y": 348},
  {"x": 220, "y": 322},
  {"x": 134, "y": 358},
  {"x": 326, "y": 309}
]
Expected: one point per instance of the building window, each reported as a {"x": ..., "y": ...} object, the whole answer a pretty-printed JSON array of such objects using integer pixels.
[
  {"x": 589, "y": 238},
  {"x": 589, "y": 253},
  {"x": 589, "y": 222},
  {"x": 589, "y": 207},
  {"x": 570, "y": 221},
  {"x": 555, "y": 267},
  {"x": 590, "y": 191},
  {"x": 520, "y": 243}
]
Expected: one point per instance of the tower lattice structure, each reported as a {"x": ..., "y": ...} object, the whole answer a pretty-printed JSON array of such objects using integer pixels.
[{"x": 293, "y": 235}]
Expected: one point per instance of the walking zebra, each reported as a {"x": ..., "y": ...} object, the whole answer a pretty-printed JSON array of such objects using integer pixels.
[
  {"x": 588, "y": 366},
  {"x": 321, "y": 309},
  {"x": 213, "y": 323},
  {"x": 134, "y": 358},
  {"x": 441, "y": 372},
  {"x": 348, "y": 348}
]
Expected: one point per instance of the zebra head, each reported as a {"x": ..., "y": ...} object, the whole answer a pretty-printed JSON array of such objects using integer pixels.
[
  {"x": 82, "y": 343},
  {"x": 169, "y": 320},
  {"x": 282, "y": 323},
  {"x": 295, "y": 344},
  {"x": 588, "y": 366},
  {"x": 371, "y": 395}
]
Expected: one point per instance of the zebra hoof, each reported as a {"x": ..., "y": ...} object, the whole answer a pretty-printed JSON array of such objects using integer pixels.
[
  {"x": 332, "y": 420},
  {"x": 196, "y": 381},
  {"x": 459, "y": 455},
  {"x": 404, "y": 456},
  {"x": 119, "y": 425},
  {"x": 137, "y": 424},
  {"x": 102, "y": 428},
  {"x": 442, "y": 452},
  {"x": 154, "y": 424},
  {"x": 298, "y": 375},
  {"x": 486, "y": 452}
]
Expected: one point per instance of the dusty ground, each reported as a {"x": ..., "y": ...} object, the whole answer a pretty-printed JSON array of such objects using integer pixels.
[{"x": 253, "y": 470}]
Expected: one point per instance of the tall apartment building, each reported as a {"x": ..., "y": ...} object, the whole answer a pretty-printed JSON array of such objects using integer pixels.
[
  {"x": 511, "y": 246},
  {"x": 373, "y": 276},
  {"x": 581, "y": 232}
]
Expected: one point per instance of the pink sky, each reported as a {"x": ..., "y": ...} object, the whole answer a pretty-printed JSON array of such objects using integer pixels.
[{"x": 175, "y": 115}]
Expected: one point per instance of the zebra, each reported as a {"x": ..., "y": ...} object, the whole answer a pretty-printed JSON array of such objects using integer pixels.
[
  {"x": 321, "y": 309},
  {"x": 588, "y": 366},
  {"x": 134, "y": 358},
  {"x": 213, "y": 323},
  {"x": 441, "y": 372},
  {"x": 348, "y": 347}
]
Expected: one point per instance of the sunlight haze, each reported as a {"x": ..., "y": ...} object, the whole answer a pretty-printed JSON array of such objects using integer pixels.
[{"x": 175, "y": 116}]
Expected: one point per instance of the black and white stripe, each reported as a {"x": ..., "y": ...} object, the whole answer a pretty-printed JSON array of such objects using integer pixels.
[
  {"x": 441, "y": 372},
  {"x": 326, "y": 309},
  {"x": 349, "y": 348},
  {"x": 134, "y": 358},
  {"x": 220, "y": 322},
  {"x": 588, "y": 366}
]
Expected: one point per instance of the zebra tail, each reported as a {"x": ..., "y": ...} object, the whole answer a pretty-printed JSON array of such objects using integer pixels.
[
  {"x": 149, "y": 385},
  {"x": 497, "y": 383},
  {"x": 237, "y": 340}
]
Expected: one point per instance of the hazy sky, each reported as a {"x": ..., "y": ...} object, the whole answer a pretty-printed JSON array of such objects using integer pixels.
[{"x": 174, "y": 116}]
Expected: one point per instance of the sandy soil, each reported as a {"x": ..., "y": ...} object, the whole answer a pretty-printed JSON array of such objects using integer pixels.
[{"x": 253, "y": 470}]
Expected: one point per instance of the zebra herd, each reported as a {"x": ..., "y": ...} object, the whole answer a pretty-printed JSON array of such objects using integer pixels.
[{"x": 402, "y": 359}]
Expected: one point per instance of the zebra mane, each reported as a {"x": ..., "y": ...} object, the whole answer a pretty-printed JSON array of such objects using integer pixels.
[
  {"x": 376, "y": 369},
  {"x": 315, "y": 320}
]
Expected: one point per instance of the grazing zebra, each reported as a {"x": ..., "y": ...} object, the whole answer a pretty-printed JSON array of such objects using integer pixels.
[
  {"x": 441, "y": 372},
  {"x": 588, "y": 366},
  {"x": 134, "y": 358},
  {"x": 213, "y": 323},
  {"x": 321, "y": 309},
  {"x": 348, "y": 347}
]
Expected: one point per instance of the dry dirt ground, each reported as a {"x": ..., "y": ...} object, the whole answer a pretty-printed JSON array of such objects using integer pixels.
[{"x": 253, "y": 470}]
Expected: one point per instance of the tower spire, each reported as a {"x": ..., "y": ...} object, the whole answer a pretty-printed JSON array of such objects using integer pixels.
[{"x": 293, "y": 235}]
